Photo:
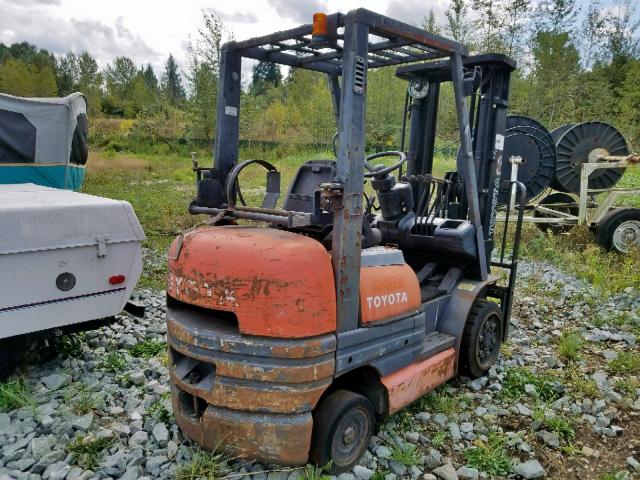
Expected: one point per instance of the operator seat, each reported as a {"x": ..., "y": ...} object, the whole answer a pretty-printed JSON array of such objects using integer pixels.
[{"x": 304, "y": 191}]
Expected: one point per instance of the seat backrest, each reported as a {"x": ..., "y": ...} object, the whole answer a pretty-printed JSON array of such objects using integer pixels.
[{"x": 302, "y": 190}]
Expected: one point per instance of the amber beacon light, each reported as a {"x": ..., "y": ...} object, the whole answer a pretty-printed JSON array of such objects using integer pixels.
[{"x": 319, "y": 34}]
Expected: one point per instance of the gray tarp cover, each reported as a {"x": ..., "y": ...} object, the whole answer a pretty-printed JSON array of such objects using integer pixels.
[{"x": 43, "y": 130}]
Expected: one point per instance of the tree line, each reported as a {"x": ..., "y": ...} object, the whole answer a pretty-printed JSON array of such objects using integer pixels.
[{"x": 576, "y": 62}]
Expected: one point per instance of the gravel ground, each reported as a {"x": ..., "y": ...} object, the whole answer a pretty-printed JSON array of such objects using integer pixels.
[{"x": 563, "y": 401}]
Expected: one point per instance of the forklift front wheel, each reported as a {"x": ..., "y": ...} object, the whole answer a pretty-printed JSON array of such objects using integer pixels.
[
  {"x": 342, "y": 428},
  {"x": 482, "y": 338}
]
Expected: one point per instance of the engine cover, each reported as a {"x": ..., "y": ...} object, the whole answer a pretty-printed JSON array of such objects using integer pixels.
[{"x": 277, "y": 283}]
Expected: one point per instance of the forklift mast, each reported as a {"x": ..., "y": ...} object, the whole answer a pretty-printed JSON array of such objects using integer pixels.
[{"x": 486, "y": 83}]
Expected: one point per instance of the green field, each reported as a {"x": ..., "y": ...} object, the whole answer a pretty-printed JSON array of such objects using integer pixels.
[{"x": 160, "y": 188}]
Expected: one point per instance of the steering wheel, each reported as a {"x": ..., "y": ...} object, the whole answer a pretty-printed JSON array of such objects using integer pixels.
[{"x": 377, "y": 170}]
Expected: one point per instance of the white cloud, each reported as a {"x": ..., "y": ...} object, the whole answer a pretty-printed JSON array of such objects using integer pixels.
[{"x": 58, "y": 34}]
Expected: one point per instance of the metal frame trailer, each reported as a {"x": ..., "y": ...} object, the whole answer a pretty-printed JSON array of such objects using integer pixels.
[{"x": 585, "y": 210}]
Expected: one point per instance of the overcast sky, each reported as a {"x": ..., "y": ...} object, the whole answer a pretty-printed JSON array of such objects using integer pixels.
[{"x": 148, "y": 30}]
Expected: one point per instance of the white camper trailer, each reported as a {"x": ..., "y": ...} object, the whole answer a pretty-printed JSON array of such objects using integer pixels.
[{"x": 66, "y": 258}]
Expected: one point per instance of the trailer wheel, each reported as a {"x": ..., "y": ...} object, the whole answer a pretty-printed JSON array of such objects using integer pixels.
[
  {"x": 619, "y": 230},
  {"x": 481, "y": 339},
  {"x": 342, "y": 429}
]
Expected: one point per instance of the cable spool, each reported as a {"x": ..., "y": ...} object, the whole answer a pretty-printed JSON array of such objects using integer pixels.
[
  {"x": 561, "y": 130},
  {"x": 529, "y": 139},
  {"x": 582, "y": 143}
]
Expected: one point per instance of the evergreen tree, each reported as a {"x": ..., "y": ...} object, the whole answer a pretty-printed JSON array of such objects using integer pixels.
[
  {"x": 172, "y": 83},
  {"x": 264, "y": 76},
  {"x": 150, "y": 78}
]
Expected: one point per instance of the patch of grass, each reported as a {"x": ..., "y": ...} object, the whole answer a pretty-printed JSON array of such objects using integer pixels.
[
  {"x": 148, "y": 349},
  {"x": 204, "y": 465},
  {"x": 158, "y": 411},
  {"x": 439, "y": 401},
  {"x": 379, "y": 474},
  {"x": 88, "y": 450},
  {"x": 547, "y": 388},
  {"x": 491, "y": 457},
  {"x": 14, "y": 395},
  {"x": 627, "y": 387},
  {"x": 313, "y": 472},
  {"x": 585, "y": 387},
  {"x": 439, "y": 438},
  {"x": 577, "y": 253},
  {"x": 70, "y": 346},
  {"x": 407, "y": 454},
  {"x": 561, "y": 426},
  {"x": 84, "y": 401},
  {"x": 569, "y": 346},
  {"x": 114, "y": 362},
  {"x": 625, "y": 363},
  {"x": 615, "y": 475}
]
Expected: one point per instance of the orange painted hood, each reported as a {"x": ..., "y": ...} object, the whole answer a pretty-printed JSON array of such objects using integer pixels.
[{"x": 278, "y": 283}]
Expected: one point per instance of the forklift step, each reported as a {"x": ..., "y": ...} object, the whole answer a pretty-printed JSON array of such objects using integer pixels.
[{"x": 436, "y": 342}]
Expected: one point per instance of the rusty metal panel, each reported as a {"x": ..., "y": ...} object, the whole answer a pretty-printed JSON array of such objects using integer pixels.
[
  {"x": 413, "y": 381},
  {"x": 268, "y": 438},
  {"x": 277, "y": 283}
]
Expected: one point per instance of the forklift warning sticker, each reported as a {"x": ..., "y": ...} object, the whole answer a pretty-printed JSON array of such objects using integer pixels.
[{"x": 499, "y": 142}]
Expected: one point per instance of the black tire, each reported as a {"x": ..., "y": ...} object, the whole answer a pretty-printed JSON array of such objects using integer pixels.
[
  {"x": 482, "y": 338},
  {"x": 619, "y": 230},
  {"x": 342, "y": 428}
]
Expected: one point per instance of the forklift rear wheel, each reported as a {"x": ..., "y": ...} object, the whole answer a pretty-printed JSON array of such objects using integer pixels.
[
  {"x": 342, "y": 429},
  {"x": 481, "y": 339},
  {"x": 619, "y": 230}
]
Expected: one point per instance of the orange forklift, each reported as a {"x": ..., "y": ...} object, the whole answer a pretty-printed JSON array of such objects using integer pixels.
[{"x": 290, "y": 334}]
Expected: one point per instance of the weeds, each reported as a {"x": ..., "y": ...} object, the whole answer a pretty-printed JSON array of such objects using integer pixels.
[
  {"x": 561, "y": 426},
  {"x": 14, "y": 395},
  {"x": 207, "y": 465},
  {"x": 625, "y": 363},
  {"x": 114, "y": 362},
  {"x": 440, "y": 401},
  {"x": 615, "y": 475},
  {"x": 85, "y": 401},
  {"x": 516, "y": 380},
  {"x": 570, "y": 345},
  {"x": 439, "y": 438},
  {"x": 407, "y": 454},
  {"x": 88, "y": 450},
  {"x": 490, "y": 457},
  {"x": 158, "y": 411},
  {"x": 70, "y": 346},
  {"x": 148, "y": 349},
  {"x": 312, "y": 472}
]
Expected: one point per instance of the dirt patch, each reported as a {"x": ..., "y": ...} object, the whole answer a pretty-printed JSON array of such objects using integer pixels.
[
  {"x": 610, "y": 453},
  {"x": 98, "y": 162}
]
